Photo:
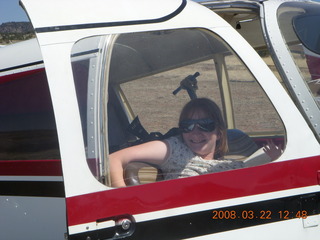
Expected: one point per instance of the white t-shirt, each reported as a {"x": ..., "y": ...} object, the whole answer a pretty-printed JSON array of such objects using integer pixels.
[{"x": 182, "y": 162}]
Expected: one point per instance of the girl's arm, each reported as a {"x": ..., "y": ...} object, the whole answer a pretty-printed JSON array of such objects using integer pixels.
[{"x": 154, "y": 152}]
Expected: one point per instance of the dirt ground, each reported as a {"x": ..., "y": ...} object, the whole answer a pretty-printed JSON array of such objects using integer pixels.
[{"x": 158, "y": 109}]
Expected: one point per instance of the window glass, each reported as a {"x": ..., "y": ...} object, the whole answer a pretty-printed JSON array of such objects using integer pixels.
[
  {"x": 132, "y": 87},
  {"x": 297, "y": 25},
  {"x": 252, "y": 109},
  {"x": 161, "y": 111},
  {"x": 27, "y": 128}
]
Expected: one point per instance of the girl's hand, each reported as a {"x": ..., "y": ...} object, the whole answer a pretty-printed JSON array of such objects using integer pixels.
[{"x": 272, "y": 150}]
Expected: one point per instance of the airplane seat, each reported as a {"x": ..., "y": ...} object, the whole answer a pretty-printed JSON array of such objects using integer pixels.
[
  {"x": 116, "y": 133},
  {"x": 240, "y": 144},
  {"x": 118, "y": 136},
  {"x": 243, "y": 147}
]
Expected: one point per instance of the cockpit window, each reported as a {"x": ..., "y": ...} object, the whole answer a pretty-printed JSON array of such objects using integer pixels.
[
  {"x": 307, "y": 34},
  {"x": 298, "y": 26},
  {"x": 132, "y": 87},
  {"x": 28, "y": 129}
]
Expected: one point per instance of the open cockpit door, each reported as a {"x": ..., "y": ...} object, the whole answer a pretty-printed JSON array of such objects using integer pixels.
[{"x": 107, "y": 63}]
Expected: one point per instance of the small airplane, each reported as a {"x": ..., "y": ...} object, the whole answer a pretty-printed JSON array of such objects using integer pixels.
[{"x": 104, "y": 75}]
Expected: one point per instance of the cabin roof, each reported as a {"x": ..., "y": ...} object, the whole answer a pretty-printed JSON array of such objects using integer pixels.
[{"x": 55, "y": 15}]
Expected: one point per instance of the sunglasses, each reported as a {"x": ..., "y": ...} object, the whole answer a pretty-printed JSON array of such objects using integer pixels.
[{"x": 205, "y": 125}]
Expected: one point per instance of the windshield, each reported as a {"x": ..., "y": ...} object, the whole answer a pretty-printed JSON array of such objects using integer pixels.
[{"x": 298, "y": 25}]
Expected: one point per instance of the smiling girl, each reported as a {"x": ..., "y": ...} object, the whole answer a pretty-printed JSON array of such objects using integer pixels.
[{"x": 198, "y": 149}]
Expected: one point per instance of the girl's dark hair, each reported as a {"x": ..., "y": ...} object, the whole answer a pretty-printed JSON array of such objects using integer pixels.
[{"x": 212, "y": 110}]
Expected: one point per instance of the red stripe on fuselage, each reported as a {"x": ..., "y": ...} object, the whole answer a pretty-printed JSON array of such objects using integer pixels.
[
  {"x": 193, "y": 190},
  {"x": 30, "y": 168}
]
